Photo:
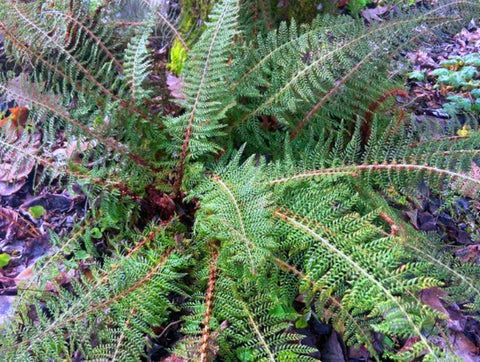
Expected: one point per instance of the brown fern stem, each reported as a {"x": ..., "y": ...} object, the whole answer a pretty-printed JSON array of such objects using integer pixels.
[
  {"x": 183, "y": 155},
  {"x": 92, "y": 35},
  {"x": 393, "y": 227},
  {"x": 366, "y": 129},
  {"x": 121, "y": 295},
  {"x": 255, "y": 17},
  {"x": 440, "y": 139},
  {"x": 209, "y": 307},
  {"x": 114, "y": 267},
  {"x": 100, "y": 8},
  {"x": 328, "y": 95},
  {"x": 374, "y": 106},
  {"x": 268, "y": 22},
  {"x": 315, "y": 288},
  {"x": 294, "y": 270},
  {"x": 354, "y": 171},
  {"x": 285, "y": 214}
]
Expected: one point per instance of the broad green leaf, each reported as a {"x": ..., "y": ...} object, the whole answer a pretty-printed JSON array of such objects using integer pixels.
[
  {"x": 96, "y": 233},
  {"x": 36, "y": 211},
  {"x": 4, "y": 259}
]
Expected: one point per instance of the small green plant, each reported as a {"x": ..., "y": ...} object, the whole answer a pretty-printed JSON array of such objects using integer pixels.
[
  {"x": 355, "y": 6},
  {"x": 178, "y": 56},
  {"x": 458, "y": 78},
  {"x": 417, "y": 75},
  {"x": 36, "y": 211},
  {"x": 4, "y": 259},
  {"x": 459, "y": 73}
]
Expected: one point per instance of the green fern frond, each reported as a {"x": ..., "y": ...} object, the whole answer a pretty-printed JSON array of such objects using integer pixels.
[
  {"x": 339, "y": 249},
  {"x": 206, "y": 95},
  {"x": 333, "y": 69},
  {"x": 258, "y": 242},
  {"x": 45, "y": 35},
  {"x": 119, "y": 310},
  {"x": 137, "y": 64},
  {"x": 258, "y": 333},
  {"x": 223, "y": 217}
]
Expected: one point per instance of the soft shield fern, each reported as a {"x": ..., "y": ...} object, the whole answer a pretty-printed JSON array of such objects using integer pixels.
[
  {"x": 244, "y": 234},
  {"x": 231, "y": 252},
  {"x": 329, "y": 71},
  {"x": 137, "y": 63}
]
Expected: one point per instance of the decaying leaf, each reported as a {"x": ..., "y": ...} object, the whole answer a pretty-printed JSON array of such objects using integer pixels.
[
  {"x": 12, "y": 225},
  {"x": 374, "y": 14}
]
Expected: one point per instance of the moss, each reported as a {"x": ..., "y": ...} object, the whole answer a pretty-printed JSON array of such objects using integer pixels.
[
  {"x": 178, "y": 56},
  {"x": 304, "y": 11},
  {"x": 194, "y": 15}
]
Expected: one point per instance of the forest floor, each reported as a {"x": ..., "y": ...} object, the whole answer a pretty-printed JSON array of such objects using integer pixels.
[{"x": 443, "y": 81}]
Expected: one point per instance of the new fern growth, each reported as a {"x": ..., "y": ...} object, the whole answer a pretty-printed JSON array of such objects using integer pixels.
[{"x": 301, "y": 211}]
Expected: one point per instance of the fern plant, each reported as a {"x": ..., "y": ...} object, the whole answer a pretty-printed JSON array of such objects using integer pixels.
[{"x": 284, "y": 151}]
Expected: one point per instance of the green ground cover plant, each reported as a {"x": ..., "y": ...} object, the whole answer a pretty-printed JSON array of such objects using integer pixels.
[{"x": 269, "y": 183}]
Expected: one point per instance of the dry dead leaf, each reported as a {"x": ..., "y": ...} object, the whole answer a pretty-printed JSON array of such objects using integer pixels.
[
  {"x": 469, "y": 254},
  {"x": 422, "y": 58},
  {"x": 175, "y": 86},
  {"x": 25, "y": 274},
  {"x": 373, "y": 14},
  {"x": 431, "y": 297},
  {"x": 19, "y": 170},
  {"x": 9, "y": 188},
  {"x": 12, "y": 225},
  {"x": 464, "y": 347}
]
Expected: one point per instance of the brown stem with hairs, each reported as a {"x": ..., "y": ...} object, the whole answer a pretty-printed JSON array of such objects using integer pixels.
[
  {"x": 268, "y": 22},
  {"x": 209, "y": 307},
  {"x": 328, "y": 95},
  {"x": 366, "y": 129},
  {"x": 114, "y": 267},
  {"x": 393, "y": 227}
]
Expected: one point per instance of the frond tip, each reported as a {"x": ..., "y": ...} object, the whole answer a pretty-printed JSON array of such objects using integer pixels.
[{"x": 137, "y": 64}]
